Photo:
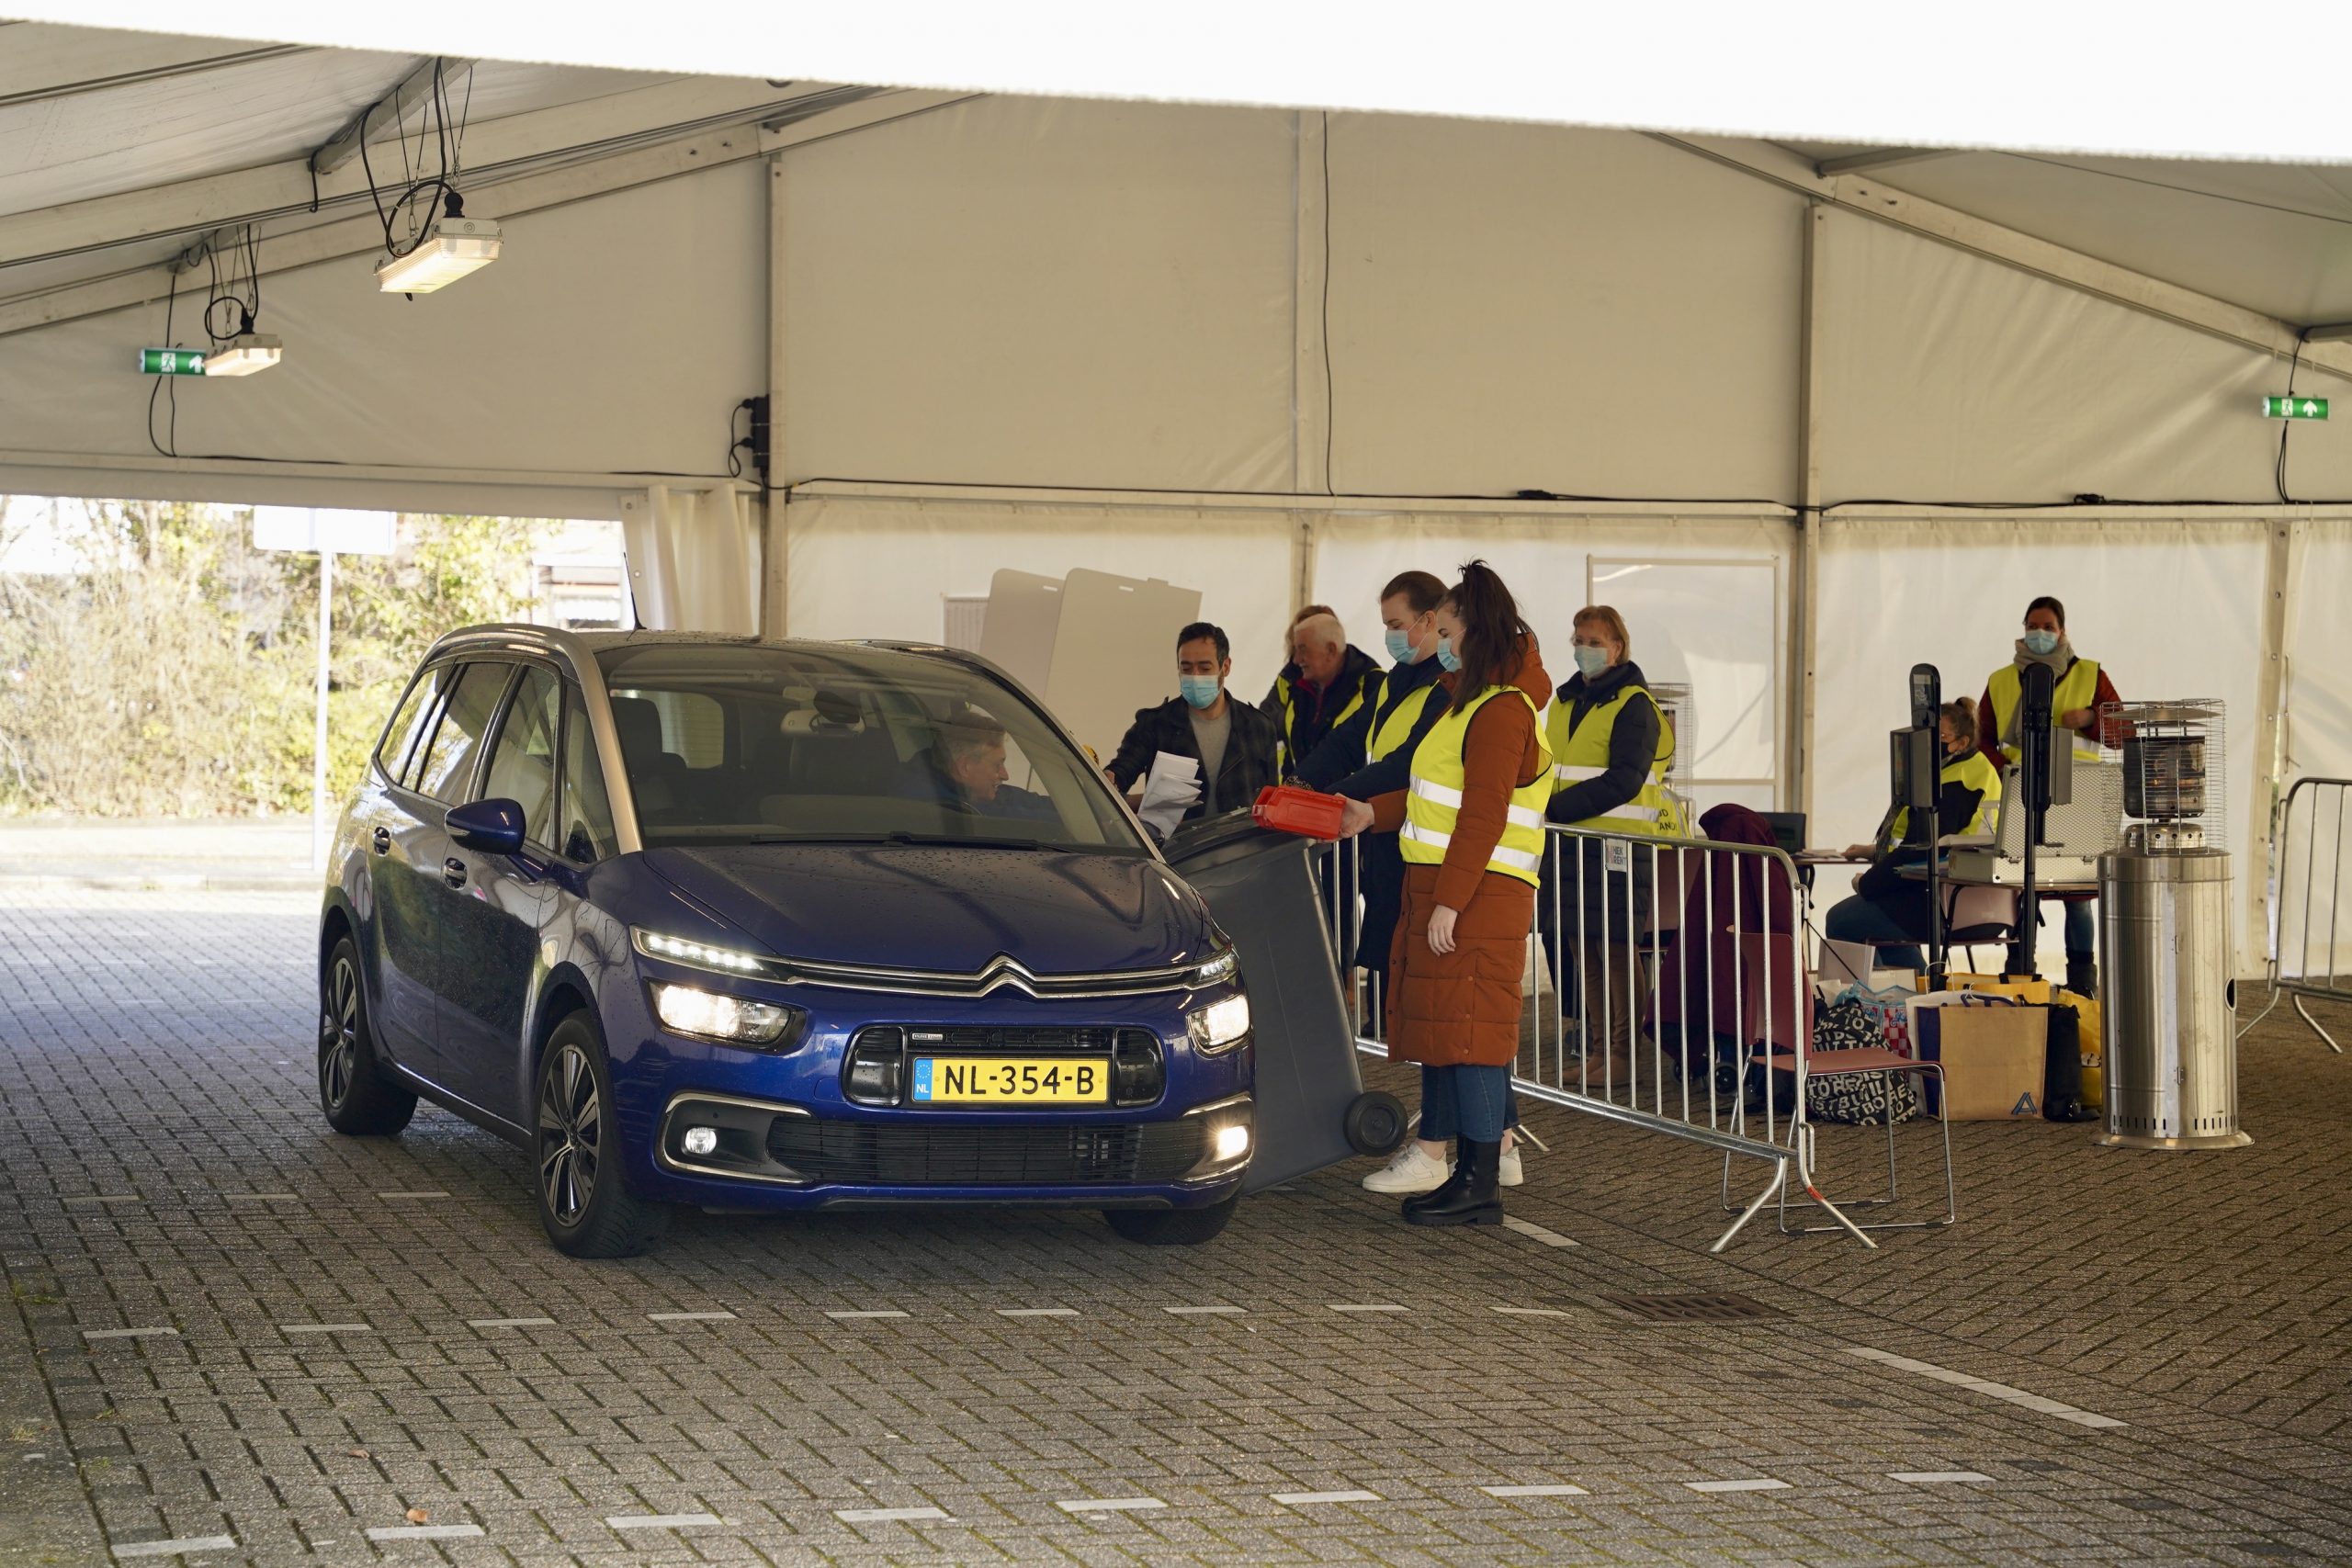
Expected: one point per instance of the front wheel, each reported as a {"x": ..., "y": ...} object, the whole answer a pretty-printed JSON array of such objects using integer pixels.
[
  {"x": 1171, "y": 1227},
  {"x": 360, "y": 1099},
  {"x": 584, "y": 1201}
]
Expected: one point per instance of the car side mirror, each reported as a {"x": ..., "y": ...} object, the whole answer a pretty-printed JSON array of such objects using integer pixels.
[{"x": 493, "y": 826}]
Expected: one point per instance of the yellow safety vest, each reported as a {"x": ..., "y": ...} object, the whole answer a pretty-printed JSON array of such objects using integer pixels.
[
  {"x": 1398, "y": 727},
  {"x": 1582, "y": 753},
  {"x": 1976, "y": 772},
  {"x": 1435, "y": 801},
  {"x": 1367, "y": 689},
  {"x": 2078, "y": 688}
]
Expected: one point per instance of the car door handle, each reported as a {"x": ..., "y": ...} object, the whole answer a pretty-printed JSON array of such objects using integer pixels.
[
  {"x": 453, "y": 872},
  {"x": 383, "y": 840}
]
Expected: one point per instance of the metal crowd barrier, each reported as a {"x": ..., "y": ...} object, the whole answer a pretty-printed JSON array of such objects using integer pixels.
[
  {"x": 2296, "y": 918},
  {"x": 1709, "y": 962}
]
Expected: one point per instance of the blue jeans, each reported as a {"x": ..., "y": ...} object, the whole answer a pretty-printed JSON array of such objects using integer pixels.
[
  {"x": 1464, "y": 1101},
  {"x": 1866, "y": 920}
]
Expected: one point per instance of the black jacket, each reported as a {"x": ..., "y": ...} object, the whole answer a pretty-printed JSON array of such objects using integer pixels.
[
  {"x": 1341, "y": 768},
  {"x": 1303, "y": 721},
  {"x": 1249, "y": 764}
]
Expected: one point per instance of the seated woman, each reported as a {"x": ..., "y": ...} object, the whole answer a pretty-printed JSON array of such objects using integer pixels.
[{"x": 1888, "y": 909}]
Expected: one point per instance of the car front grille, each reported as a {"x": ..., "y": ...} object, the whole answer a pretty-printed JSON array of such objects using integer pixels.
[
  {"x": 933, "y": 1155},
  {"x": 926, "y": 1040}
]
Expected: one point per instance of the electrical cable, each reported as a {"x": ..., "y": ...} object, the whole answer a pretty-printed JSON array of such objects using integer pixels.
[
  {"x": 171, "y": 304},
  {"x": 2278, "y": 475}
]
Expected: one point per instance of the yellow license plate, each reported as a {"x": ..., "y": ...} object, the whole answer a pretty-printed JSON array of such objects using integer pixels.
[{"x": 1010, "y": 1081}]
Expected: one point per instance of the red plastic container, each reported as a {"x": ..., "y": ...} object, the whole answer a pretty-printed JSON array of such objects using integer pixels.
[{"x": 1288, "y": 808}]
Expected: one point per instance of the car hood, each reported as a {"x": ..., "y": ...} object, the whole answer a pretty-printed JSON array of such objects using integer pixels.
[{"x": 950, "y": 910}]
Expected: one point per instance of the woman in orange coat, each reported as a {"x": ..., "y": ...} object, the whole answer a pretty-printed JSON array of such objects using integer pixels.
[{"x": 1470, "y": 826}]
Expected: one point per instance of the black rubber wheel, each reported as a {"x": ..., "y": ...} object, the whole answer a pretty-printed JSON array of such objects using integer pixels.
[
  {"x": 584, "y": 1200},
  {"x": 1172, "y": 1227},
  {"x": 359, "y": 1098},
  {"x": 1375, "y": 1123}
]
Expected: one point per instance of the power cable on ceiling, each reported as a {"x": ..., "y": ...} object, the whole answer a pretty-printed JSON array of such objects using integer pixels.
[{"x": 2285, "y": 425}]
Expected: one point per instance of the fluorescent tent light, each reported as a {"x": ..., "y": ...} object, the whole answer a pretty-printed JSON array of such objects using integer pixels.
[
  {"x": 451, "y": 249},
  {"x": 244, "y": 354}
]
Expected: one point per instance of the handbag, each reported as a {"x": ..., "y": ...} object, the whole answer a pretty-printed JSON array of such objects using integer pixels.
[{"x": 1860, "y": 1099}]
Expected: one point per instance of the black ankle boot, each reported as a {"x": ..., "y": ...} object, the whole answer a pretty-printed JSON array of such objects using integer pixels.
[
  {"x": 1448, "y": 1189},
  {"x": 2082, "y": 976},
  {"x": 1471, "y": 1203}
]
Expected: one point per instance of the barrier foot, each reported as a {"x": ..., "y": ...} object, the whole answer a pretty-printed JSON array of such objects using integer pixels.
[
  {"x": 2274, "y": 994},
  {"x": 1804, "y": 1151},
  {"x": 2316, "y": 1029},
  {"x": 1779, "y": 1177}
]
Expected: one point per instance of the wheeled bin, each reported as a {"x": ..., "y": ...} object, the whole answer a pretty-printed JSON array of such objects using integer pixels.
[{"x": 1263, "y": 889}]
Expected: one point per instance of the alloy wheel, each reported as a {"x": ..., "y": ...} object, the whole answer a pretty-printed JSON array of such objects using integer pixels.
[
  {"x": 339, "y": 1033},
  {"x": 568, "y": 1136}
]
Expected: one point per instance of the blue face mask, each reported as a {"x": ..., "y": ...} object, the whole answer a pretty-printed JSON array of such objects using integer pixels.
[
  {"x": 1447, "y": 659},
  {"x": 2041, "y": 642},
  {"x": 1400, "y": 648},
  {"x": 1200, "y": 690},
  {"x": 1592, "y": 661}
]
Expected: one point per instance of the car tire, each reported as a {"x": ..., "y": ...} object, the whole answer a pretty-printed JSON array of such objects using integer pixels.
[
  {"x": 583, "y": 1196},
  {"x": 359, "y": 1098},
  {"x": 1171, "y": 1227},
  {"x": 1375, "y": 1123}
]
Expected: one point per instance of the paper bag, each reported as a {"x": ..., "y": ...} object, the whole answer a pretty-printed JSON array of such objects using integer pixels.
[{"x": 1994, "y": 1058}]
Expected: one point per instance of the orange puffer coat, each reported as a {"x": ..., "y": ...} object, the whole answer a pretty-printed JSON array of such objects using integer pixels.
[{"x": 1463, "y": 1008}]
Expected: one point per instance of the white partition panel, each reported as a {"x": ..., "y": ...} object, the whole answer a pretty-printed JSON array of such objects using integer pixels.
[{"x": 2170, "y": 607}]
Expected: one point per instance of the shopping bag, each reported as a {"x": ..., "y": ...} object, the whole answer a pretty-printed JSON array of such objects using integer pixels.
[
  {"x": 1888, "y": 1014},
  {"x": 1994, "y": 1055},
  {"x": 2029, "y": 988},
  {"x": 2062, "y": 1073},
  {"x": 2092, "y": 1046}
]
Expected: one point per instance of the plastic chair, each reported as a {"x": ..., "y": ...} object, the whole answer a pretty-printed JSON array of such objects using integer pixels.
[{"x": 1885, "y": 1065}]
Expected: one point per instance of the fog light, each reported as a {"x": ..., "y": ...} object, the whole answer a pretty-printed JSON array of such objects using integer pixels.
[
  {"x": 1232, "y": 1143},
  {"x": 701, "y": 1139}
]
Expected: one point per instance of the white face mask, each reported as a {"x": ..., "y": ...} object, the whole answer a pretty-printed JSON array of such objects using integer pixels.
[{"x": 2041, "y": 642}]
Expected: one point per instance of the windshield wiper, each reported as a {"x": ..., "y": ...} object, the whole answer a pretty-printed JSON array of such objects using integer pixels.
[{"x": 918, "y": 840}]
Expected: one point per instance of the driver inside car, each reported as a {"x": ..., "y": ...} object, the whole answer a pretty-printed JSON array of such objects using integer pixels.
[{"x": 966, "y": 771}]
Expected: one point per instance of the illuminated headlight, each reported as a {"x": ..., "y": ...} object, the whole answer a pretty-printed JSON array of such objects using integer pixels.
[
  {"x": 1217, "y": 970},
  {"x": 1232, "y": 1143},
  {"x": 702, "y": 955},
  {"x": 689, "y": 1012},
  {"x": 1220, "y": 1025}
]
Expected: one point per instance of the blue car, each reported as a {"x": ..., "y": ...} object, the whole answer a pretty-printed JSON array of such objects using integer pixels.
[{"x": 776, "y": 926}]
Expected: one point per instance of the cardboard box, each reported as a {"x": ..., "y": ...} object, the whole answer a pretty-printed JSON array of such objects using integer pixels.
[{"x": 1994, "y": 1059}]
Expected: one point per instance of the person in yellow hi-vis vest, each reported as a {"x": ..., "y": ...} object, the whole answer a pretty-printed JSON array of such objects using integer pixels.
[
  {"x": 1470, "y": 827},
  {"x": 1611, "y": 747},
  {"x": 2083, "y": 692},
  {"x": 1887, "y": 909}
]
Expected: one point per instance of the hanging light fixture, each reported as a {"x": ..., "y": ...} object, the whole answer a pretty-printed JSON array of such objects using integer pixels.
[
  {"x": 243, "y": 354},
  {"x": 453, "y": 247}
]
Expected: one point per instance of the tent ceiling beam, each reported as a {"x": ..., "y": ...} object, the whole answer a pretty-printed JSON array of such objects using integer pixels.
[
  {"x": 2333, "y": 331},
  {"x": 1867, "y": 197},
  {"x": 278, "y": 190},
  {"x": 1879, "y": 158},
  {"x": 165, "y": 73},
  {"x": 412, "y": 91}
]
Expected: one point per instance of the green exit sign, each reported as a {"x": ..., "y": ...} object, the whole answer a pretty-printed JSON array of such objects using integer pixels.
[
  {"x": 171, "y": 361},
  {"x": 2294, "y": 408}
]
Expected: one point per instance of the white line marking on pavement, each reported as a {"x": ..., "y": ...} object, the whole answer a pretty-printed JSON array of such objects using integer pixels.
[
  {"x": 660, "y": 1522},
  {"x": 1934, "y": 1477},
  {"x": 510, "y": 1322},
  {"x": 1535, "y": 1231},
  {"x": 326, "y": 1328},
  {"x": 887, "y": 1516},
  {"x": 1109, "y": 1505},
  {"x": 1036, "y": 1311},
  {"x": 1299, "y": 1499},
  {"x": 424, "y": 1532},
  {"x": 1758, "y": 1483},
  {"x": 2001, "y": 1391},
  {"x": 689, "y": 1317},
  {"x": 436, "y": 1194},
  {"x": 1368, "y": 1307},
  {"x": 1556, "y": 1489},
  {"x": 174, "y": 1547},
  {"x": 127, "y": 1332},
  {"x": 1532, "y": 1311},
  {"x": 881, "y": 1312},
  {"x": 1196, "y": 1311}
]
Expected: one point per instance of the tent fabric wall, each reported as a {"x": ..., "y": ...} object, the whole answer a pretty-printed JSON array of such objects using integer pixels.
[
  {"x": 694, "y": 558},
  {"x": 1587, "y": 312},
  {"x": 2318, "y": 744},
  {"x": 1023, "y": 291},
  {"x": 1949, "y": 378},
  {"x": 2170, "y": 607}
]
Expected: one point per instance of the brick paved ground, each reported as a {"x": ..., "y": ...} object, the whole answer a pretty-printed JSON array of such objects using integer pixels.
[{"x": 341, "y": 1353}]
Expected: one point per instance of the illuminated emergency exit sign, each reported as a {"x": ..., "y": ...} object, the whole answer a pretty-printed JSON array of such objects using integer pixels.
[
  {"x": 2294, "y": 408},
  {"x": 171, "y": 361}
]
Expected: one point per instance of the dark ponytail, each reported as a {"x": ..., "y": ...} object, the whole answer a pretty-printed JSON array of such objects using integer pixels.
[{"x": 1494, "y": 638}]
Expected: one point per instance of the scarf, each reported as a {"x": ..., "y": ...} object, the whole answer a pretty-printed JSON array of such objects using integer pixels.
[{"x": 2058, "y": 661}]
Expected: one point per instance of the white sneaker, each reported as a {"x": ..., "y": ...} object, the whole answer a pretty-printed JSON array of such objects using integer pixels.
[
  {"x": 1412, "y": 1170},
  {"x": 1512, "y": 1173}
]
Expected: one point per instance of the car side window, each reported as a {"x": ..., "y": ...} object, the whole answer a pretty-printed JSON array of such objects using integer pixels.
[
  {"x": 587, "y": 814},
  {"x": 449, "y": 757},
  {"x": 397, "y": 752},
  {"x": 521, "y": 764}
]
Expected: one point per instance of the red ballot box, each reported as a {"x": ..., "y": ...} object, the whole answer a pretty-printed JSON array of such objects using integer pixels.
[{"x": 1288, "y": 808}]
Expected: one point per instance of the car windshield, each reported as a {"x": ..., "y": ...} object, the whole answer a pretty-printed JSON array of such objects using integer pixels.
[{"x": 734, "y": 744}]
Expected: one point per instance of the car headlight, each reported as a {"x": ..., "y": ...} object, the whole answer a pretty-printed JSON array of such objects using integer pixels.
[
  {"x": 1217, "y": 970},
  {"x": 1220, "y": 1026},
  {"x": 698, "y": 954},
  {"x": 713, "y": 1016},
  {"x": 1225, "y": 1139}
]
